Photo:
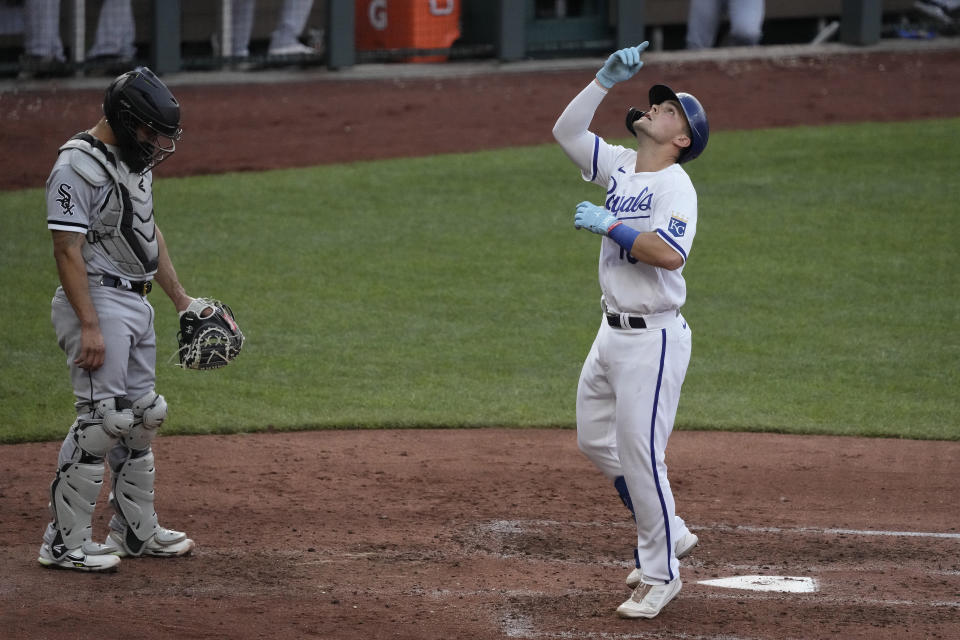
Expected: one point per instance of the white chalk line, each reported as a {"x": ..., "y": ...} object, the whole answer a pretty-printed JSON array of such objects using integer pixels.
[
  {"x": 834, "y": 532},
  {"x": 519, "y": 526},
  {"x": 688, "y": 594},
  {"x": 831, "y": 600}
]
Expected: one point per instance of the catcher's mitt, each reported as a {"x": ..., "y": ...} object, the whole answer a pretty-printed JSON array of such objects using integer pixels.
[{"x": 209, "y": 336}]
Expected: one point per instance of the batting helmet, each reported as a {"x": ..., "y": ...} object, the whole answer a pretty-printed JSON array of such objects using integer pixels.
[
  {"x": 139, "y": 99},
  {"x": 692, "y": 109}
]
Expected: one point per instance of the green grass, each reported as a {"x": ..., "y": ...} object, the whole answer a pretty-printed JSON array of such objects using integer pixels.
[
  {"x": 831, "y": 303},
  {"x": 453, "y": 291}
]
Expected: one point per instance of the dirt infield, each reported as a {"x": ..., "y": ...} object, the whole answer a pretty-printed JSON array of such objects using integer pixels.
[
  {"x": 491, "y": 533},
  {"x": 495, "y": 533}
]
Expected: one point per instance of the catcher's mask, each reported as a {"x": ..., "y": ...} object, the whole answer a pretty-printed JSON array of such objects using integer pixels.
[
  {"x": 145, "y": 118},
  {"x": 692, "y": 109}
]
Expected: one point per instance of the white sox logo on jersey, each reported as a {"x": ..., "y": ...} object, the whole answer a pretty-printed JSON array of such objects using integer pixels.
[{"x": 64, "y": 199}]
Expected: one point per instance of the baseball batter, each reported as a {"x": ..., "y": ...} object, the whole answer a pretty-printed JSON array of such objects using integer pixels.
[
  {"x": 108, "y": 250},
  {"x": 629, "y": 387}
]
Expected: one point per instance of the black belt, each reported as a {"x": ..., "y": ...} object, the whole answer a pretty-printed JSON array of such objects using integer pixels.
[
  {"x": 143, "y": 288},
  {"x": 634, "y": 322}
]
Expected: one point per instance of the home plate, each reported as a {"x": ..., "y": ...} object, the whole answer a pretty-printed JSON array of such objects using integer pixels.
[{"x": 787, "y": 584}]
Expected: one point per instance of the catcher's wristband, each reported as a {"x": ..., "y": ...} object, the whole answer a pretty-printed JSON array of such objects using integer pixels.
[{"x": 623, "y": 235}]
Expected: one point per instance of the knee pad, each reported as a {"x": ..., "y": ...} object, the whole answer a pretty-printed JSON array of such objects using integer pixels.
[
  {"x": 132, "y": 499},
  {"x": 96, "y": 432},
  {"x": 149, "y": 412},
  {"x": 73, "y": 496},
  {"x": 151, "y": 409}
]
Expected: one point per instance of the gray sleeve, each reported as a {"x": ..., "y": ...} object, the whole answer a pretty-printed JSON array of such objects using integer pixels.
[{"x": 69, "y": 199}]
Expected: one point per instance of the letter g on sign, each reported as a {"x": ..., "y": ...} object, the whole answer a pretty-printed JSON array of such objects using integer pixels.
[
  {"x": 377, "y": 12},
  {"x": 436, "y": 10}
]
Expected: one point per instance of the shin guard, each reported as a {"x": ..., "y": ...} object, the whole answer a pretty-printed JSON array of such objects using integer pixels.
[
  {"x": 132, "y": 500},
  {"x": 76, "y": 487},
  {"x": 73, "y": 497}
]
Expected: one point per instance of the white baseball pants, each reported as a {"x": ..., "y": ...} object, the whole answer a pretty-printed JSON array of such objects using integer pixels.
[{"x": 627, "y": 400}]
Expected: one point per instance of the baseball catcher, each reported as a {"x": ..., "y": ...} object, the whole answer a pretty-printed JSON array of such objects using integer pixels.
[
  {"x": 110, "y": 251},
  {"x": 209, "y": 336}
]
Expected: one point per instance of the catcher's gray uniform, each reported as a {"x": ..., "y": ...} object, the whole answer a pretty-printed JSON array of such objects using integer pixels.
[
  {"x": 83, "y": 197},
  {"x": 92, "y": 192}
]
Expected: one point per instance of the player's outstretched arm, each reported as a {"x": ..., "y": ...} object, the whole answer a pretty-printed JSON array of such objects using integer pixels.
[{"x": 572, "y": 127}]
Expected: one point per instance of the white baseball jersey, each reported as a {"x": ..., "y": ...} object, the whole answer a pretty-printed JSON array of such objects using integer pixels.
[{"x": 662, "y": 201}]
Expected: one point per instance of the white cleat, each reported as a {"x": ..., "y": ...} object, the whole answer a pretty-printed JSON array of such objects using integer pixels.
[
  {"x": 648, "y": 599},
  {"x": 685, "y": 545},
  {"x": 89, "y": 557},
  {"x": 684, "y": 548},
  {"x": 166, "y": 543}
]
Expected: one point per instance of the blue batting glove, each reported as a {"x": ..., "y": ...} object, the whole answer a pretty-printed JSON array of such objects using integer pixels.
[
  {"x": 596, "y": 219},
  {"x": 621, "y": 65}
]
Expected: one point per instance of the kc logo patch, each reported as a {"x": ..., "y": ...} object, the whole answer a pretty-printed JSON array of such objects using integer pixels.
[
  {"x": 64, "y": 199},
  {"x": 677, "y": 226}
]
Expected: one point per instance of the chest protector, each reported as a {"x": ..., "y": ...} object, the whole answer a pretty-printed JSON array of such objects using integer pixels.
[{"x": 123, "y": 226}]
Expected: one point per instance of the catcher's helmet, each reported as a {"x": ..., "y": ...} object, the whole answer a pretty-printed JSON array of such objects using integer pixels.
[
  {"x": 139, "y": 99},
  {"x": 692, "y": 109}
]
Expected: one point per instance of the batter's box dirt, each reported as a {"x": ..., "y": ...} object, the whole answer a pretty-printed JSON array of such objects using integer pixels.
[
  {"x": 504, "y": 533},
  {"x": 793, "y": 551},
  {"x": 719, "y": 614},
  {"x": 846, "y": 567},
  {"x": 596, "y": 543}
]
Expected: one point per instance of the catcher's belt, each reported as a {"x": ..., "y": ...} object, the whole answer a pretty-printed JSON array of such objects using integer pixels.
[{"x": 143, "y": 287}]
